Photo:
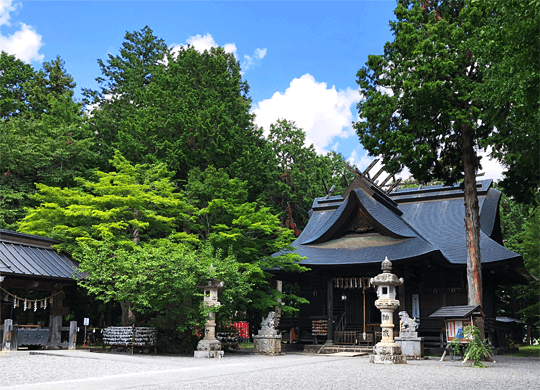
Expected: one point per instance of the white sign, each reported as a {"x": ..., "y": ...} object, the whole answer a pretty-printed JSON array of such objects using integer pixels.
[
  {"x": 415, "y": 306},
  {"x": 86, "y": 322}
]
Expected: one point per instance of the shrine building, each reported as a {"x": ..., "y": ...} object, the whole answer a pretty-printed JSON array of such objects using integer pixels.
[{"x": 421, "y": 231}]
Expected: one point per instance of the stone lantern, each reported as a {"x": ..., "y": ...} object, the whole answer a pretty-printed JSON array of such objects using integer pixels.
[
  {"x": 387, "y": 351},
  {"x": 209, "y": 346}
]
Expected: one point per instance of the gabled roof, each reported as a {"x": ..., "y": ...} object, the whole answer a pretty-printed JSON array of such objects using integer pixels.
[
  {"x": 456, "y": 311},
  {"x": 407, "y": 224},
  {"x": 28, "y": 255}
]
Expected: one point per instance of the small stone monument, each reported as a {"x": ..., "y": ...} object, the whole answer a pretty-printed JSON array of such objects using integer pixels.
[
  {"x": 411, "y": 345},
  {"x": 209, "y": 346},
  {"x": 387, "y": 351},
  {"x": 268, "y": 341}
]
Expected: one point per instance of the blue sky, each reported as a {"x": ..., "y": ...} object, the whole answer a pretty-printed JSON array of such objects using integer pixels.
[{"x": 299, "y": 58}]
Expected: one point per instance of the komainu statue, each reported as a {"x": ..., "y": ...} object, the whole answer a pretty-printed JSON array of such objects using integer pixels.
[{"x": 408, "y": 324}]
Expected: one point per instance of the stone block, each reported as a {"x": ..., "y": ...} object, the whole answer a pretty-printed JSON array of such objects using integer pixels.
[
  {"x": 412, "y": 347},
  {"x": 209, "y": 354},
  {"x": 267, "y": 344}
]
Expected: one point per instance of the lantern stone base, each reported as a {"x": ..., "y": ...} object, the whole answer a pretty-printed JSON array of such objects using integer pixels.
[
  {"x": 209, "y": 349},
  {"x": 411, "y": 345},
  {"x": 387, "y": 353},
  {"x": 267, "y": 344}
]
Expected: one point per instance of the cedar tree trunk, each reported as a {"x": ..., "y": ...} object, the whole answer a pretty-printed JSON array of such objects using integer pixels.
[{"x": 472, "y": 222}]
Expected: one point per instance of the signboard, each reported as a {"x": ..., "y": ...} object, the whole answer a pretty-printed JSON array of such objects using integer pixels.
[
  {"x": 455, "y": 330},
  {"x": 33, "y": 336},
  {"x": 86, "y": 322}
]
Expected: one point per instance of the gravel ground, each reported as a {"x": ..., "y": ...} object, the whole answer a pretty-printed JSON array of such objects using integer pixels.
[{"x": 293, "y": 371}]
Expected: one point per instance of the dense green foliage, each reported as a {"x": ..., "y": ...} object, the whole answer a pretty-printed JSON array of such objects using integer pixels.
[
  {"x": 507, "y": 48},
  {"x": 42, "y": 137},
  {"x": 128, "y": 227},
  {"x": 161, "y": 277},
  {"x": 184, "y": 108}
]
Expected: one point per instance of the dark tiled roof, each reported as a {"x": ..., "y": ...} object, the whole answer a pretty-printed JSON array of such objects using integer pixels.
[
  {"x": 430, "y": 223},
  {"x": 30, "y": 260},
  {"x": 454, "y": 311},
  {"x": 488, "y": 212},
  {"x": 442, "y": 223},
  {"x": 391, "y": 221}
]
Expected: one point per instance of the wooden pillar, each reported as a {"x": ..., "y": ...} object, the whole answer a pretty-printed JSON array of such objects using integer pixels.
[
  {"x": 401, "y": 297},
  {"x": 277, "y": 318},
  {"x": 330, "y": 311},
  {"x": 55, "y": 320},
  {"x": 72, "y": 335},
  {"x": 7, "y": 340}
]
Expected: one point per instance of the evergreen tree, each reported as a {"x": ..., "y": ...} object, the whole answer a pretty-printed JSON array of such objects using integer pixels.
[
  {"x": 187, "y": 109},
  {"x": 298, "y": 173},
  {"x": 420, "y": 106}
]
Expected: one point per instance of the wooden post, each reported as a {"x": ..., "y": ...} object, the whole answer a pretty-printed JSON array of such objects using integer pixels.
[
  {"x": 72, "y": 335},
  {"x": 277, "y": 319},
  {"x": 330, "y": 312},
  {"x": 55, "y": 321},
  {"x": 8, "y": 341}
]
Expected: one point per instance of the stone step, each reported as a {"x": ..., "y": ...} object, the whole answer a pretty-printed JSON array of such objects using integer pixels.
[{"x": 331, "y": 349}]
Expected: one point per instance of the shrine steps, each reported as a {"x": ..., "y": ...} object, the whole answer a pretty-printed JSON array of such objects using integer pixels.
[{"x": 331, "y": 349}]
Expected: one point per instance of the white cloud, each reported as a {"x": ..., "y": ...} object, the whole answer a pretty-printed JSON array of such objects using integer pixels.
[
  {"x": 490, "y": 166},
  {"x": 6, "y": 6},
  {"x": 230, "y": 48},
  {"x": 206, "y": 42},
  {"x": 24, "y": 43},
  {"x": 323, "y": 113},
  {"x": 260, "y": 53},
  {"x": 253, "y": 59}
]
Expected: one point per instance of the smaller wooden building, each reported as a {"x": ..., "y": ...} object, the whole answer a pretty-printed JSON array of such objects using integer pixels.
[{"x": 32, "y": 280}]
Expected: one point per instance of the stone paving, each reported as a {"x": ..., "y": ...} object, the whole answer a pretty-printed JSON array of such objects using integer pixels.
[{"x": 84, "y": 370}]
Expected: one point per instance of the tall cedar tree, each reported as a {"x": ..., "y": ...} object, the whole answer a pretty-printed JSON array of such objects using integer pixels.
[
  {"x": 184, "y": 108},
  {"x": 419, "y": 107}
]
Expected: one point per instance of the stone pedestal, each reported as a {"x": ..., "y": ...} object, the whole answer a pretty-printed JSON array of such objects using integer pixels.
[
  {"x": 411, "y": 345},
  {"x": 268, "y": 341},
  {"x": 209, "y": 349},
  {"x": 267, "y": 344},
  {"x": 387, "y": 353}
]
